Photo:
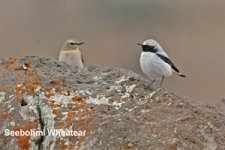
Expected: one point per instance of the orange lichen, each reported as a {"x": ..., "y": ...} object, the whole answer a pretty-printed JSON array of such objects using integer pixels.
[
  {"x": 84, "y": 123},
  {"x": 29, "y": 64},
  {"x": 121, "y": 147},
  {"x": 30, "y": 86},
  {"x": 70, "y": 117},
  {"x": 56, "y": 105},
  {"x": 10, "y": 67},
  {"x": 82, "y": 114},
  {"x": 31, "y": 74},
  {"x": 62, "y": 91},
  {"x": 76, "y": 99},
  {"x": 11, "y": 64},
  {"x": 88, "y": 131},
  {"x": 59, "y": 125},
  {"x": 4, "y": 115},
  {"x": 83, "y": 103},
  {"x": 49, "y": 95},
  {"x": 70, "y": 146},
  {"x": 75, "y": 105},
  {"x": 55, "y": 84},
  {"x": 93, "y": 110},
  {"x": 70, "y": 114},
  {"x": 170, "y": 146},
  {"x": 79, "y": 143},
  {"x": 55, "y": 111},
  {"x": 23, "y": 141},
  {"x": 19, "y": 68},
  {"x": 19, "y": 90},
  {"x": 63, "y": 145}
]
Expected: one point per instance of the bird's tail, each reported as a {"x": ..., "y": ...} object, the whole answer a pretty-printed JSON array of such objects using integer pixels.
[{"x": 182, "y": 75}]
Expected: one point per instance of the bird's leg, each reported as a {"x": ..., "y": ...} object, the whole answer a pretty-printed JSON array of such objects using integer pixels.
[
  {"x": 154, "y": 91},
  {"x": 161, "y": 82},
  {"x": 152, "y": 82}
]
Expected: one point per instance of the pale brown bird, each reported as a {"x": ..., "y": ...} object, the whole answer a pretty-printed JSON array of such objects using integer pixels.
[{"x": 71, "y": 54}]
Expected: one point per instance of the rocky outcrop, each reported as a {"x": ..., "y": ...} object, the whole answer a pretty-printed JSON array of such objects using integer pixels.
[{"x": 99, "y": 107}]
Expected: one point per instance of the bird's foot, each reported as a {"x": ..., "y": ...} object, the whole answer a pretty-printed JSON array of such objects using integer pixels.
[
  {"x": 154, "y": 92},
  {"x": 158, "y": 90}
]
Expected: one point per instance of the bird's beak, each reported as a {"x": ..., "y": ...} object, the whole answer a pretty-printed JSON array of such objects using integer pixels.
[
  {"x": 80, "y": 43},
  {"x": 139, "y": 44}
]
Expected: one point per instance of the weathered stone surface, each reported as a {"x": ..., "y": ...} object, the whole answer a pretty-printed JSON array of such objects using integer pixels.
[
  {"x": 114, "y": 107},
  {"x": 221, "y": 106}
]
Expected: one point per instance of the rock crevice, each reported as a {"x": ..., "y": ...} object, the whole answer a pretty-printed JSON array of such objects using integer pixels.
[{"x": 42, "y": 125}]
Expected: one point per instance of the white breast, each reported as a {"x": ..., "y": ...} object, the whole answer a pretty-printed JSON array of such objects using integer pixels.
[
  {"x": 71, "y": 58},
  {"x": 153, "y": 66}
]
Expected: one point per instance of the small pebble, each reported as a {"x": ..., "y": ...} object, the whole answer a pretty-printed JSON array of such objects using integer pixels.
[{"x": 129, "y": 145}]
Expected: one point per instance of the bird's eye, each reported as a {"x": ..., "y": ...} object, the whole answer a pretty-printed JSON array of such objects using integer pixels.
[
  {"x": 152, "y": 47},
  {"x": 72, "y": 43}
]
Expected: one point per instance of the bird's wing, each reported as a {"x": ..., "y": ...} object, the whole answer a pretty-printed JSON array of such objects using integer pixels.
[{"x": 168, "y": 61}]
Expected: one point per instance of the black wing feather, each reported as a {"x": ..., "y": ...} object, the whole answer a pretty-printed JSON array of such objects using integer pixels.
[{"x": 168, "y": 61}]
